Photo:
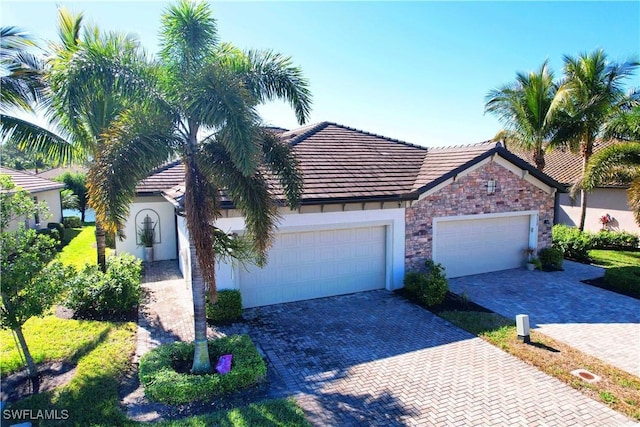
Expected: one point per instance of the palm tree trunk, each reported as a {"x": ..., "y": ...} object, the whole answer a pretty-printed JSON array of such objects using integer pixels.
[
  {"x": 101, "y": 244},
  {"x": 31, "y": 366},
  {"x": 586, "y": 149},
  {"x": 201, "y": 362}
]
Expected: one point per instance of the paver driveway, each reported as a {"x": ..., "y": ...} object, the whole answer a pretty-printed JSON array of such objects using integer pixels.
[
  {"x": 598, "y": 322},
  {"x": 374, "y": 359}
]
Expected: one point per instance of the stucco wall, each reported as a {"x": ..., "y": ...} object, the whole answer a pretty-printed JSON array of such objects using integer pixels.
[
  {"x": 468, "y": 196},
  {"x": 166, "y": 248},
  {"x": 612, "y": 201},
  {"x": 52, "y": 199}
]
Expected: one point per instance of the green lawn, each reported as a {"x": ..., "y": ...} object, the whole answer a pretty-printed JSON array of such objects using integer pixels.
[
  {"x": 81, "y": 248},
  {"x": 607, "y": 258}
]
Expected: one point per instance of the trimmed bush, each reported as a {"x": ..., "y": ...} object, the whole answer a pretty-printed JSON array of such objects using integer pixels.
[
  {"x": 72, "y": 222},
  {"x": 163, "y": 384},
  {"x": 227, "y": 309},
  {"x": 57, "y": 226},
  {"x": 430, "y": 287},
  {"x": 616, "y": 240},
  {"x": 551, "y": 259},
  {"x": 95, "y": 295},
  {"x": 51, "y": 232},
  {"x": 575, "y": 244},
  {"x": 625, "y": 280}
]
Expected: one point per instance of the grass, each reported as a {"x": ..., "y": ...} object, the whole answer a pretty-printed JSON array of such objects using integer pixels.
[
  {"x": 50, "y": 338},
  {"x": 91, "y": 397},
  {"x": 280, "y": 412},
  {"x": 81, "y": 248},
  {"x": 617, "y": 388},
  {"x": 608, "y": 259}
]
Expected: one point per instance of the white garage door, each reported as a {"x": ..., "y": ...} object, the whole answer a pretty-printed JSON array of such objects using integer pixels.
[
  {"x": 474, "y": 246},
  {"x": 306, "y": 265}
]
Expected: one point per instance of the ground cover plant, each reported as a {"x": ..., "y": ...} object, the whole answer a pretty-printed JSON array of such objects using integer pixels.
[
  {"x": 617, "y": 388},
  {"x": 622, "y": 272},
  {"x": 165, "y": 371}
]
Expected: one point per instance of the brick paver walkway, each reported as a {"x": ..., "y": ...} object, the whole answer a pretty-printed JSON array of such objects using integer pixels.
[
  {"x": 374, "y": 359},
  {"x": 593, "y": 320}
]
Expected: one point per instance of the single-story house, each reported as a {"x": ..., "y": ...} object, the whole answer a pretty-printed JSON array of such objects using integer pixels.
[
  {"x": 610, "y": 199},
  {"x": 372, "y": 208},
  {"x": 42, "y": 190}
]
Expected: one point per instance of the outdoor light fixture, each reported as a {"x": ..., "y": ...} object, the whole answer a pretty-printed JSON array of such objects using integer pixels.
[
  {"x": 491, "y": 186},
  {"x": 522, "y": 326}
]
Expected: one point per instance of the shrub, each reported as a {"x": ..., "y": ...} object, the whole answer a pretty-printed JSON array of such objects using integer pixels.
[
  {"x": 163, "y": 384},
  {"x": 430, "y": 287},
  {"x": 57, "y": 226},
  {"x": 72, "y": 222},
  {"x": 616, "y": 240},
  {"x": 227, "y": 309},
  {"x": 93, "y": 294},
  {"x": 575, "y": 244},
  {"x": 551, "y": 259},
  {"x": 625, "y": 280},
  {"x": 51, "y": 232}
]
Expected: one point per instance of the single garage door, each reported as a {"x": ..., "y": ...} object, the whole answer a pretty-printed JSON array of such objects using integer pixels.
[
  {"x": 315, "y": 264},
  {"x": 474, "y": 246}
]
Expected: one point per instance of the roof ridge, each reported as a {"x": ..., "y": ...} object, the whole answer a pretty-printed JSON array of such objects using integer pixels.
[
  {"x": 470, "y": 145},
  {"x": 164, "y": 167},
  {"x": 312, "y": 130}
]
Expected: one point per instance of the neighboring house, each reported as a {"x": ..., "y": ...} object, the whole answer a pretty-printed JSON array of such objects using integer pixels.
[
  {"x": 372, "y": 208},
  {"x": 566, "y": 168},
  {"x": 42, "y": 190},
  {"x": 56, "y": 172}
]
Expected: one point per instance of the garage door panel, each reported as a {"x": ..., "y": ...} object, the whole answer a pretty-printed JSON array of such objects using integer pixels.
[
  {"x": 474, "y": 246},
  {"x": 317, "y": 264}
]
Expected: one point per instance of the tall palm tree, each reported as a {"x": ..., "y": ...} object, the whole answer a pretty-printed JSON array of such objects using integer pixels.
[
  {"x": 617, "y": 163},
  {"x": 89, "y": 75},
  {"x": 591, "y": 95},
  {"x": 526, "y": 109},
  {"x": 202, "y": 106},
  {"x": 23, "y": 86}
]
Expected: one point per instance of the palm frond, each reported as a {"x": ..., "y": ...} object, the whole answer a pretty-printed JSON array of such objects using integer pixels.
[
  {"x": 280, "y": 160},
  {"x": 35, "y": 139},
  {"x": 608, "y": 164}
]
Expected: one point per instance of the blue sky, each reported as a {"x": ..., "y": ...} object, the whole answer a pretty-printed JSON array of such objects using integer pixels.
[{"x": 415, "y": 71}]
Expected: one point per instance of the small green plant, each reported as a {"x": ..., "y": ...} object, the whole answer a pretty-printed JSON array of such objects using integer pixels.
[
  {"x": 93, "y": 294},
  {"x": 607, "y": 397},
  {"x": 551, "y": 259},
  {"x": 429, "y": 287},
  {"x": 146, "y": 236},
  {"x": 226, "y": 309},
  {"x": 537, "y": 263},
  {"x": 57, "y": 226},
  {"x": 164, "y": 384},
  {"x": 72, "y": 222}
]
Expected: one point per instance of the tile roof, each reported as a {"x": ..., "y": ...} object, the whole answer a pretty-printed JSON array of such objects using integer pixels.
[
  {"x": 56, "y": 172},
  {"x": 30, "y": 182},
  {"x": 340, "y": 163},
  {"x": 561, "y": 164}
]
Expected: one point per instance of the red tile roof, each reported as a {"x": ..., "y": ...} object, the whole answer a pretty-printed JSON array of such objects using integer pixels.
[
  {"x": 30, "y": 182},
  {"x": 340, "y": 163}
]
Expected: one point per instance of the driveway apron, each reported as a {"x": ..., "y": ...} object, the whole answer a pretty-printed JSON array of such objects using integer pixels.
[
  {"x": 375, "y": 359},
  {"x": 596, "y": 321}
]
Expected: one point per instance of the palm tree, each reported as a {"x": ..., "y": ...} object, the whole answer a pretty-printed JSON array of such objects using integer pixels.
[
  {"x": 591, "y": 95},
  {"x": 617, "y": 163},
  {"x": 201, "y": 105},
  {"x": 89, "y": 77},
  {"x": 21, "y": 80},
  {"x": 527, "y": 110}
]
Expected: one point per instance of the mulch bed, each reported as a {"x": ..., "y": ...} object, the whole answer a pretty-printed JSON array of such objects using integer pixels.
[
  {"x": 600, "y": 283},
  {"x": 451, "y": 302},
  {"x": 50, "y": 375}
]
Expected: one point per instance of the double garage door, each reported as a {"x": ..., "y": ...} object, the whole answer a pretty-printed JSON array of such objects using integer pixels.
[
  {"x": 315, "y": 264},
  {"x": 481, "y": 245}
]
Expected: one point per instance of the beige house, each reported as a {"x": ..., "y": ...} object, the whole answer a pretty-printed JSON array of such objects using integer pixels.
[
  {"x": 42, "y": 190},
  {"x": 566, "y": 168}
]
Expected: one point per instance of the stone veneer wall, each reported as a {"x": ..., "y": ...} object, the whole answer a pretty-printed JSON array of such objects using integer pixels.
[{"x": 468, "y": 196}]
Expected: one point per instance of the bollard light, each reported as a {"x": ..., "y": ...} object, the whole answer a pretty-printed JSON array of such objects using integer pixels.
[{"x": 522, "y": 326}]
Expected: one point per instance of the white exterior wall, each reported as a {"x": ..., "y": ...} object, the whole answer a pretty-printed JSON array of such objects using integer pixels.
[
  {"x": 52, "y": 199},
  {"x": 184, "y": 254},
  {"x": 227, "y": 276},
  {"x": 612, "y": 201},
  {"x": 167, "y": 247}
]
